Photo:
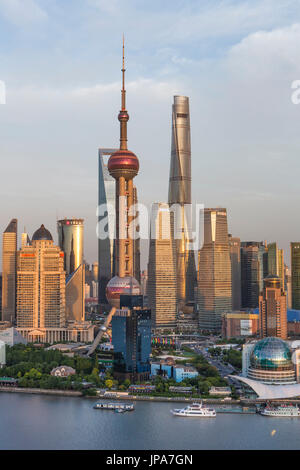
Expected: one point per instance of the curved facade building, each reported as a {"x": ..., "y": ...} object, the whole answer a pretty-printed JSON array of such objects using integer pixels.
[
  {"x": 70, "y": 237},
  {"x": 271, "y": 362},
  {"x": 180, "y": 195}
]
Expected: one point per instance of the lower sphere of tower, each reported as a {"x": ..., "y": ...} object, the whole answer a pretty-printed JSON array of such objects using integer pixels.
[{"x": 121, "y": 285}]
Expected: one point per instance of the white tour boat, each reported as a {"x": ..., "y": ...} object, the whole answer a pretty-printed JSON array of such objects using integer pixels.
[
  {"x": 196, "y": 410},
  {"x": 287, "y": 411}
]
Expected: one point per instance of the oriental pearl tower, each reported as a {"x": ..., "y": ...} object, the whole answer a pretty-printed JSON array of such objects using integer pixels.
[{"x": 123, "y": 166}]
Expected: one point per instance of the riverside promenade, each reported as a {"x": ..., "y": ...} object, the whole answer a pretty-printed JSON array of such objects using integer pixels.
[{"x": 40, "y": 391}]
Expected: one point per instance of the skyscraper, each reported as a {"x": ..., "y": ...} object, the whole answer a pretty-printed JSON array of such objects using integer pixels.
[
  {"x": 136, "y": 243},
  {"x": 162, "y": 277},
  {"x": 276, "y": 262},
  {"x": 75, "y": 295},
  {"x": 131, "y": 337},
  {"x": 180, "y": 194},
  {"x": 235, "y": 258},
  {"x": 214, "y": 278},
  {"x": 41, "y": 282},
  {"x": 70, "y": 238},
  {"x": 288, "y": 286},
  {"x": 253, "y": 271},
  {"x": 106, "y": 223},
  {"x": 9, "y": 253},
  {"x": 295, "y": 273},
  {"x": 25, "y": 239},
  {"x": 273, "y": 309},
  {"x": 123, "y": 166}
]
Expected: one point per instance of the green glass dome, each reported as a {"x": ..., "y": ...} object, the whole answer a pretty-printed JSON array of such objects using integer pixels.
[{"x": 271, "y": 354}]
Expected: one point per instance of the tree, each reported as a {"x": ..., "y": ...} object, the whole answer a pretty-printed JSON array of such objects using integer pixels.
[{"x": 109, "y": 383}]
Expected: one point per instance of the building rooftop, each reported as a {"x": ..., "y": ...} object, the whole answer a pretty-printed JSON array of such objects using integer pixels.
[{"x": 42, "y": 234}]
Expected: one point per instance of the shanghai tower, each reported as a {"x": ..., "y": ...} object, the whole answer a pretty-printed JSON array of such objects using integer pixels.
[{"x": 180, "y": 195}]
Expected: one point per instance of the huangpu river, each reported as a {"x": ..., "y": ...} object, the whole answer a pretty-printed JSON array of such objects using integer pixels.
[{"x": 56, "y": 423}]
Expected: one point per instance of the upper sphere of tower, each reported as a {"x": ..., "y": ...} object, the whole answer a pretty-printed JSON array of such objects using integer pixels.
[{"x": 123, "y": 115}]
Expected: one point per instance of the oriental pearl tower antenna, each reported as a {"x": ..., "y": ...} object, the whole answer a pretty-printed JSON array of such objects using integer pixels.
[{"x": 123, "y": 166}]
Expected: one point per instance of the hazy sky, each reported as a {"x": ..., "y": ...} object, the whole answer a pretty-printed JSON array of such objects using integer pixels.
[{"x": 236, "y": 61}]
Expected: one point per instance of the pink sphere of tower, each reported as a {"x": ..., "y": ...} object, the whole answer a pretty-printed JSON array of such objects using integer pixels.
[
  {"x": 123, "y": 160},
  {"x": 121, "y": 285}
]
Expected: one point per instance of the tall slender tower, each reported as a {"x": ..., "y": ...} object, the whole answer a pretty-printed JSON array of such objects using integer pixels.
[
  {"x": 180, "y": 195},
  {"x": 235, "y": 258},
  {"x": 9, "y": 260},
  {"x": 123, "y": 166}
]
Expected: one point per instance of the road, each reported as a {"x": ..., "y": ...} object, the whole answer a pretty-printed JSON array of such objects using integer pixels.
[{"x": 223, "y": 369}]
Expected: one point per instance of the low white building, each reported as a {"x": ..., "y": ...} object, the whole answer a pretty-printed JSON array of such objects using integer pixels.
[
  {"x": 11, "y": 336},
  {"x": 220, "y": 391},
  {"x": 63, "y": 371}
]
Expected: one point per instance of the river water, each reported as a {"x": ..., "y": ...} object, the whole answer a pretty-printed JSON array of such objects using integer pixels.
[{"x": 47, "y": 422}]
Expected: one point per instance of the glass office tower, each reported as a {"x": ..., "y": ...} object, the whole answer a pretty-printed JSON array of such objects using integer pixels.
[
  {"x": 295, "y": 273},
  {"x": 106, "y": 223},
  {"x": 214, "y": 278}
]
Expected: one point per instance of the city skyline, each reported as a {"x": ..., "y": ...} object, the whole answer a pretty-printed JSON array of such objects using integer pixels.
[{"x": 59, "y": 123}]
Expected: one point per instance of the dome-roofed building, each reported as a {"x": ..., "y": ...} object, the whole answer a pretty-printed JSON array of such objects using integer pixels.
[
  {"x": 42, "y": 234},
  {"x": 271, "y": 362}
]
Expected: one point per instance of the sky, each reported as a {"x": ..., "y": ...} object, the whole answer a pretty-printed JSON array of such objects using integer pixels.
[{"x": 236, "y": 60}]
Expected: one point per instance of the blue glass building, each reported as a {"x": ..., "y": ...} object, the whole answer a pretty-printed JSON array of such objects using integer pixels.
[{"x": 131, "y": 338}]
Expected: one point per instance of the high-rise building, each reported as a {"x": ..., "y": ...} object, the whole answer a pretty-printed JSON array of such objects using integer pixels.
[
  {"x": 136, "y": 243},
  {"x": 235, "y": 258},
  {"x": 25, "y": 239},
  {"x": 75, "y": 295},
  {"x": 276, "y": 262},
  {"x": 95, "y": 271},
  {"x": 70, "y": 238},
  {"x": 180, "y": 195},
  {"x": 106, "y": 223},
  {"x": 131, "y": 338},
  {"x": 288, "y": 286},
  {"x": 1, "y": 296},
  {"x": 41, "y": 284},
  {"x": 273, "y": 309},
  {"x": 144, "y": 283},
  {"x": 162, "y": 277},
  {"x": 9, "y": 254},
  {"x": 253, "y": 271},
  {"x": 123, "y": 166},
  {"x": 214, "y": 278},
  {"x": 295, "y": 273}
]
